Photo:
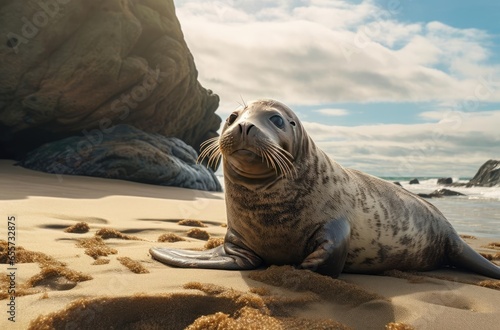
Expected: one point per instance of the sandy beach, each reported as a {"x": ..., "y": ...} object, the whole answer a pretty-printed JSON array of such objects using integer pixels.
[{"x": 100, "y": 275}]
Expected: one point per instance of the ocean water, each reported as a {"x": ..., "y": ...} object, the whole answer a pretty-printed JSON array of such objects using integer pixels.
[{"x": 477, "y": 213}]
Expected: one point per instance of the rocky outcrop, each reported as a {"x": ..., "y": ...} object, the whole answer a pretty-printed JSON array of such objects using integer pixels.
[
  {"x": 444, "y": 181},
  {"x": 80, "y": 66},
  {"x": 488, "y": 175},
  {"x": 125, "y": 153},
  {"x": 441, "y": 193},
  {"x": 414, "y": 181}
]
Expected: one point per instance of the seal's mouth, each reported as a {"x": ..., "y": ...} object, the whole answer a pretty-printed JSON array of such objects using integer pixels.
[
  {"x": 262, "y": 162},
  {"x": 246, "y": 154},
  {"x": 250, "y": 164}
]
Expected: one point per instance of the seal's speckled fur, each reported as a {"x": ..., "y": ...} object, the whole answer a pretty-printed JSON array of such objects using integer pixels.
[{"x": 307, "y": 210}]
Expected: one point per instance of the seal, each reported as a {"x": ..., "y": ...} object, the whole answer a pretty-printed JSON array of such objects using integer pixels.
[{"x": 287, "y": 202}]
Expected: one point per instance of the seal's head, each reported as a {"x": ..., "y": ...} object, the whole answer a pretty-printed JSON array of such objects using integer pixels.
[{"x": 257, "y": 142}]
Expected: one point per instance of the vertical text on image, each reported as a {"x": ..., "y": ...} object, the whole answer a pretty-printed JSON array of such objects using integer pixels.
[{"x": 11, "y": 268}]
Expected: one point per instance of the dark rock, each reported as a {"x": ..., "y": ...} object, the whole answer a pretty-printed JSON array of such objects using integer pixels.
[
  {"x": 414, "y": 181},
  {"x": 441, "y": 193},
  {"x": 445, "y": 181},
  {"x": 447, "y": 192},
  {"x": 125, "y": 153},
  {"x": 397, "y": 183},
  {"x": 488, "y": 175},
  {"x": 457, "y": 184},
  {"x": 96, "y": 64}
]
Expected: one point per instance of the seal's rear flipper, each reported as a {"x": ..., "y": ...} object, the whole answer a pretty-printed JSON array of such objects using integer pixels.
[
  {"x": 216, "y": 258},
  {"x": 465, "y": 257}
]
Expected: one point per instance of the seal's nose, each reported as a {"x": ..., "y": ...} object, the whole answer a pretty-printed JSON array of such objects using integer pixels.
[{"x": 245, "y": 128}]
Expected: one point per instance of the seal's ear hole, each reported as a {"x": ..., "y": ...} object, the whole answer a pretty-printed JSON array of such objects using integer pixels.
[{"x": 292, "y": 123}]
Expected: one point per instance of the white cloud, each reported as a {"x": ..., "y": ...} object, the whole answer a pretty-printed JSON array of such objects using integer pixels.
[
  {"x": 313, "y": 52},
  {"x": 432, "y": 115},
  {"x": 391, "y": 33},
  {"x": 455, "y": 144},
  {"x": 419, "y": 51},
  {"x": 316, "y": 52},
  {"x": 333, "y": 112},
  {"x": 336, "y": 14}
]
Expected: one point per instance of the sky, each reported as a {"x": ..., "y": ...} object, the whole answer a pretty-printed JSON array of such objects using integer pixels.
[{"x": 392, "y": 88}]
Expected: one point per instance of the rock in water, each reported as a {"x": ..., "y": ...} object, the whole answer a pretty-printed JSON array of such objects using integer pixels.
[
  {"x": 414, "y": 181},
  {"x": 448, "y": 192},
  {"x": 488, "y": 175},
  {"x": 71, "y": 66},
  {"x": 445, "y": 181},
  {"x": 125, "y": 153},
  {"x": 441, "y": 193}
]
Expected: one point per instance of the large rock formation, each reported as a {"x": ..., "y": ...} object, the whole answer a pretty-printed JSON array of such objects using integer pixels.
[
  {"x": 67, "y": 67},
  {"x": 488, "y": 175},
  {"x": 80, "y": 67},
  {"x": 125, "y": 153}
]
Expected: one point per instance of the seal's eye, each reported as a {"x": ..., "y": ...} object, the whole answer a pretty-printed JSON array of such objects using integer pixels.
[
  {"x": 277, "y": 121},
  {"x": 232, "y": 117}
]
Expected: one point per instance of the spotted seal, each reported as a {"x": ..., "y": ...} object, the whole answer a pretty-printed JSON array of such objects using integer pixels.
[{"x": 289, "y": 203}]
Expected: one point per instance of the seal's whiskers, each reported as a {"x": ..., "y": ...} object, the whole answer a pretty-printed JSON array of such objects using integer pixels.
[
  {"x": 275, "y": 157},
  {"x": 211, "y": 149},
  {"x": 279, "y": 159}
]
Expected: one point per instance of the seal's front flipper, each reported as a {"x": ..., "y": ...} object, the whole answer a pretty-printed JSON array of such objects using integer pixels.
[
  {"x": 330, "y": 251},
  {"x": 227, "y": 256}
]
